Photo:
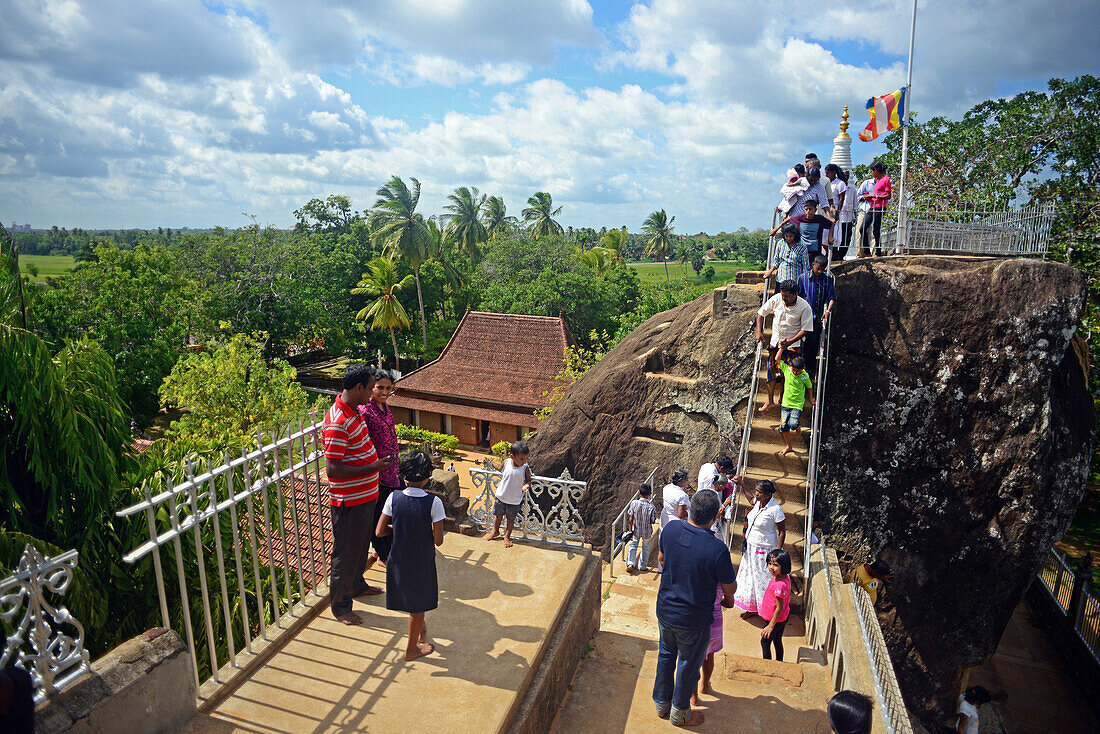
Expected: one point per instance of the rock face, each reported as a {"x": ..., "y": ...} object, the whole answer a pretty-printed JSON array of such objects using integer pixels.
[
  {"x": 672, "y": 394},
  {"x": 956, "y": 444}
]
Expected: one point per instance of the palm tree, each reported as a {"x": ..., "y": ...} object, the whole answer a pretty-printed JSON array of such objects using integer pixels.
[
  {"x": 401, "y": 232},
  {"x": 540, "y": 213},
  {"x": 463, "y": 223},
  {"x": 494, "y": 216},
  {"x": 386, "y": 312},
  {"x": 658, "y": 226},
  {"x": 616, "y": 241},
  {"x": 599, "y": 259}
]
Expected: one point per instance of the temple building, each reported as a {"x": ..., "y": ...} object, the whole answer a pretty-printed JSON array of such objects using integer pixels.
[{"x": 489, "y": 380}]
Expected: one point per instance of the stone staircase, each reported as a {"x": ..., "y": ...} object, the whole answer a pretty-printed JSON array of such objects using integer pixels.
[{"x": 613, "y": 686}]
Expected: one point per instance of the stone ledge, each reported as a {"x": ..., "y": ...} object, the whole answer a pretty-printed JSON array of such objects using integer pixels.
[
  {"x": 145, "y": 685},
  {"x": 758, "y": 670}
]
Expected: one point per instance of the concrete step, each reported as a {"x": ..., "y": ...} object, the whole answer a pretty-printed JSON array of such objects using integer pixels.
[
  {"x": 765, "y": 430},
  {"x": 745, "y": 669},
  {"x": 766, "y": 455}
]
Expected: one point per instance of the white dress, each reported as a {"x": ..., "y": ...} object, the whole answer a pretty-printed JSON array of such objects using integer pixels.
[{"x": 763, "y": 536}]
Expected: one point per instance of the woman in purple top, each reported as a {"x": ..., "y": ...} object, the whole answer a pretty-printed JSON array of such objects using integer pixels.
[{"x": 383, "y": 434}]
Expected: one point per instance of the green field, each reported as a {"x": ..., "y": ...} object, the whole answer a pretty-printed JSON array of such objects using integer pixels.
[
  {"x": 724, "y": 270},
  {"x": 48, "y": 265}
]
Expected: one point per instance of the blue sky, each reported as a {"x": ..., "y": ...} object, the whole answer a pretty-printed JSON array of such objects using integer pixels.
[{"x": 173, "y": 113}]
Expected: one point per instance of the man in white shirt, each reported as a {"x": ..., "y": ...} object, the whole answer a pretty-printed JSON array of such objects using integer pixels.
[
  {"x": 793, "y": 319},
  {"x": 866, "y": 188}
]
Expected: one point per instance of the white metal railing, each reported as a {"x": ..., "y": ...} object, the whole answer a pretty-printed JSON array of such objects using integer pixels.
[
  {"x": 248, "y": 537},
  {"x": 620, "y": 521},
  {"x": 1058, "y": 580},
  {"x": 56, "y": 655},
  {"x": 894, "y": 714},
  {"x": 550, "y": 511},
  {"x": 970, "y": 230}
]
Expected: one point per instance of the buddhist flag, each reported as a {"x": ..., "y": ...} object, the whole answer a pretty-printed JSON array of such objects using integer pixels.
[{"x": 887, "y": 113}]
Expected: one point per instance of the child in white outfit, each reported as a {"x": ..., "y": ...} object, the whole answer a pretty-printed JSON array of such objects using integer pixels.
[{"x": 796, "y": 185}]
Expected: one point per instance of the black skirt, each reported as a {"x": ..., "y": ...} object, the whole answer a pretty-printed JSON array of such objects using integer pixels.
[{"x": 411, "y": 582}]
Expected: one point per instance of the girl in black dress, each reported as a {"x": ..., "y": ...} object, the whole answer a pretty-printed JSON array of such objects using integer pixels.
[{"x": 415, "y": 518}]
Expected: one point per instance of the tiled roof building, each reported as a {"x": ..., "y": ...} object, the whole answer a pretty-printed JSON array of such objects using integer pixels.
[{"x": 489, "y": 379}]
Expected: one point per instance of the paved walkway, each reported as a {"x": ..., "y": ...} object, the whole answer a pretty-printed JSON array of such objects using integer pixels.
[
  {"x": 1030, "y": 684},
  {"x": 496, "y": 606},
  {"x": 612, "y": 690}
]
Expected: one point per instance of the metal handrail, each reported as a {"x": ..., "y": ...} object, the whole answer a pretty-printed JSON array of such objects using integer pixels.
[
  {"x": 895, "y": 718},
  {"x": 616, "y": 547}
]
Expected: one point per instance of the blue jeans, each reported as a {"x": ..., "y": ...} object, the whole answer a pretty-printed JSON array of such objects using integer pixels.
[
  {"x": 681, "y": 652},
  {"x": 789, "y": 418},
  {"x": 632, "y": 553}
]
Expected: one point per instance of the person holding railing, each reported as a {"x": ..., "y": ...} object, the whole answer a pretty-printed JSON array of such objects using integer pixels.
[
  {"x": 640, "y": 516},
  {"x": 815, "y": 231},
  {"x": 793, "y": 320},
  {"x": 817, "y": 288},
  {"x": 765, "y": 530},
  {"x": 791, "y": 257},
  {"x": 878, "y": 199}
]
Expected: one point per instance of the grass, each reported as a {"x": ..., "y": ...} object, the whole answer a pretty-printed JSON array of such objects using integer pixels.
[
  {"x": 48, "y": 265},
  {"x": 724, "y": 271}
]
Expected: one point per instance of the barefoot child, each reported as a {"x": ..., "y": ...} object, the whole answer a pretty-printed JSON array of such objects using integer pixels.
[
  {"x": 776, "y": 606},
  {"x": 415, "y": 518},
  {"x": 796, "y": 385},
  {"x": 515, "y": 481},
  {"x": 714, "y": 646}
]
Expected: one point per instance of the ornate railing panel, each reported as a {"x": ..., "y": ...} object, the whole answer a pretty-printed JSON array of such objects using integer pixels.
[
  {"x": 1007, "y": 232},
  {"x": 550, "y": 510},
  {"x": 55, "y": 656}
]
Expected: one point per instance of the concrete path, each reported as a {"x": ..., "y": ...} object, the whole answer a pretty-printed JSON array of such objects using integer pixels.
[
  {"x": 612, "y": 690},
  {"x": 496, "y": 606}
]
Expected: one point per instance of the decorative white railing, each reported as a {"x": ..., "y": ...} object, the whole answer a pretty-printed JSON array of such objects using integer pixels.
[
  {"x": 549, "y": 512},
  {"x": 248, "y": 540},
  {"x": 43, "y": 637}
]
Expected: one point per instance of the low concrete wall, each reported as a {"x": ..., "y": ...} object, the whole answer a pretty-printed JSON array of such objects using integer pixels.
[
  {"x": 833, "y": 626},
  {"x": 143, "y": 686},
  {"x": 575, "y": 627}
]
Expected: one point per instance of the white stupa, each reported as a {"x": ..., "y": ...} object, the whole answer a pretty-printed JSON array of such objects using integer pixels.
[{"x": 842, "y": 145}]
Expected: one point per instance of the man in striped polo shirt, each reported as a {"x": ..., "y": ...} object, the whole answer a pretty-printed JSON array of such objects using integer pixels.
[{"x": 352, "y": 466}]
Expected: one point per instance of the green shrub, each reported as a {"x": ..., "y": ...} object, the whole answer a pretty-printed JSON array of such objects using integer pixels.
[
  {"x": 502, "y": 450},
  {"x": 425, "y": 440}
]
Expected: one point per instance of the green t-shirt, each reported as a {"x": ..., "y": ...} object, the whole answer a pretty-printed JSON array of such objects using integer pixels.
[{"x": 794, "y": 386}]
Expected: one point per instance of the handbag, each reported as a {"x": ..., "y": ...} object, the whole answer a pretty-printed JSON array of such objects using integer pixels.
[{"x": 745, "y": 539}]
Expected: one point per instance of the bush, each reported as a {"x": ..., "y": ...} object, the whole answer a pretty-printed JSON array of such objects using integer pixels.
[
  {"x": 426, "y": 441},
  {"x": 502, "y": 450}
]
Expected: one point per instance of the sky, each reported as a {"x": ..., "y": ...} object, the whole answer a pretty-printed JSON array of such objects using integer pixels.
[{"x": 180, "y": 113}]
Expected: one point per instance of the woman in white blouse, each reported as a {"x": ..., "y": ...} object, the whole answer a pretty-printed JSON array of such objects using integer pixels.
[{"x": 765, "y": 530}]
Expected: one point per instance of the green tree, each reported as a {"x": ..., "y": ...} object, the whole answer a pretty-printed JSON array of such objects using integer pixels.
[
  {"x": 616, "y": 241},
  {"x": 403, "y": 232},
  {"x": 139, "y": 305},
  {"x": 231, "y": 393},
  {"x": 658, "y": 228},
  {"x": 494, "y": 217},
  {"x": 464, "y": 225},
  {"x": 539, "y": 215},
  {"x": 381, "y": 283},
  {"x": 331, "y": 214}
]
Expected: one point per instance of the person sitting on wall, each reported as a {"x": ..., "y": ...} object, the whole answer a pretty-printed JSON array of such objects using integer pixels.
[{"x": 872, "y": 577}]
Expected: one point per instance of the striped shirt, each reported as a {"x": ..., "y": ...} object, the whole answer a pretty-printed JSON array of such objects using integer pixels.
[
  {"x": 790, "y": 262},
  {"x": 347, "y": 440},
  {"x": 644, "y": 514}
]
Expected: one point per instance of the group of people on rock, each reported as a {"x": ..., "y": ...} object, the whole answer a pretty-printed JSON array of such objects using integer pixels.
[{"x": 820, "y": 215}]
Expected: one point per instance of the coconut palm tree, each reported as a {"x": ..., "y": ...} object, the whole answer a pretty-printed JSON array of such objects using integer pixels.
[
  {"x": 615, "y": 241},
  {"x": 463, "y": 224},
  {"x": 494, "y": 216},
  {"x": 658, "y": 226},
  {"x": 599, "y": 259},
  {"x": 380, "y": 282},
  {"x": 401, "y": 232},
  {"x": 539, "y": 215}
]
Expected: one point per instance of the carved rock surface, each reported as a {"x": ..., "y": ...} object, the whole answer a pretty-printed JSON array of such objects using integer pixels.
[
  {"x": 956, "y": 444},
  {"x": 671, "y": 394}
]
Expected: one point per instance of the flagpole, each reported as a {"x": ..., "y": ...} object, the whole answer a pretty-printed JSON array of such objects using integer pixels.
[{"x": 901, "y": 238}]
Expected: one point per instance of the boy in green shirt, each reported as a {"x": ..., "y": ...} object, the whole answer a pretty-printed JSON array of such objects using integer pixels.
[{"x": 796, "y": 385}]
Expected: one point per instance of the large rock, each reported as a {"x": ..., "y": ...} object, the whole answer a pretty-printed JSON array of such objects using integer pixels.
[
  {"x": 671, "y": 394},
  {"x": 957, "y": 434}
]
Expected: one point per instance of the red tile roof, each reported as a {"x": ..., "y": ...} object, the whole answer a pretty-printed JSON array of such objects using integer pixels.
[
  {"x": 455, "y": 408},
  {"x": 509, "y": 359}
]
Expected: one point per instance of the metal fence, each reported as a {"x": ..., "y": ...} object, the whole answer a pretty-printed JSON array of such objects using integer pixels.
[
  {"x": 246, "y": 540},
  {"x": 549, "y": 511},
  {"x": 619, "y": 525},
  {"x": 970, "y": 230},
  {"x": 1070, "y": 592},
  {"x": 894, "y": 714},
  {"x": 43, "y": 638}
]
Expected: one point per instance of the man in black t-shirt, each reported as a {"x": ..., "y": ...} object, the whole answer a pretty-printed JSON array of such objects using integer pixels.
[{"x": 695, "y": 562}]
